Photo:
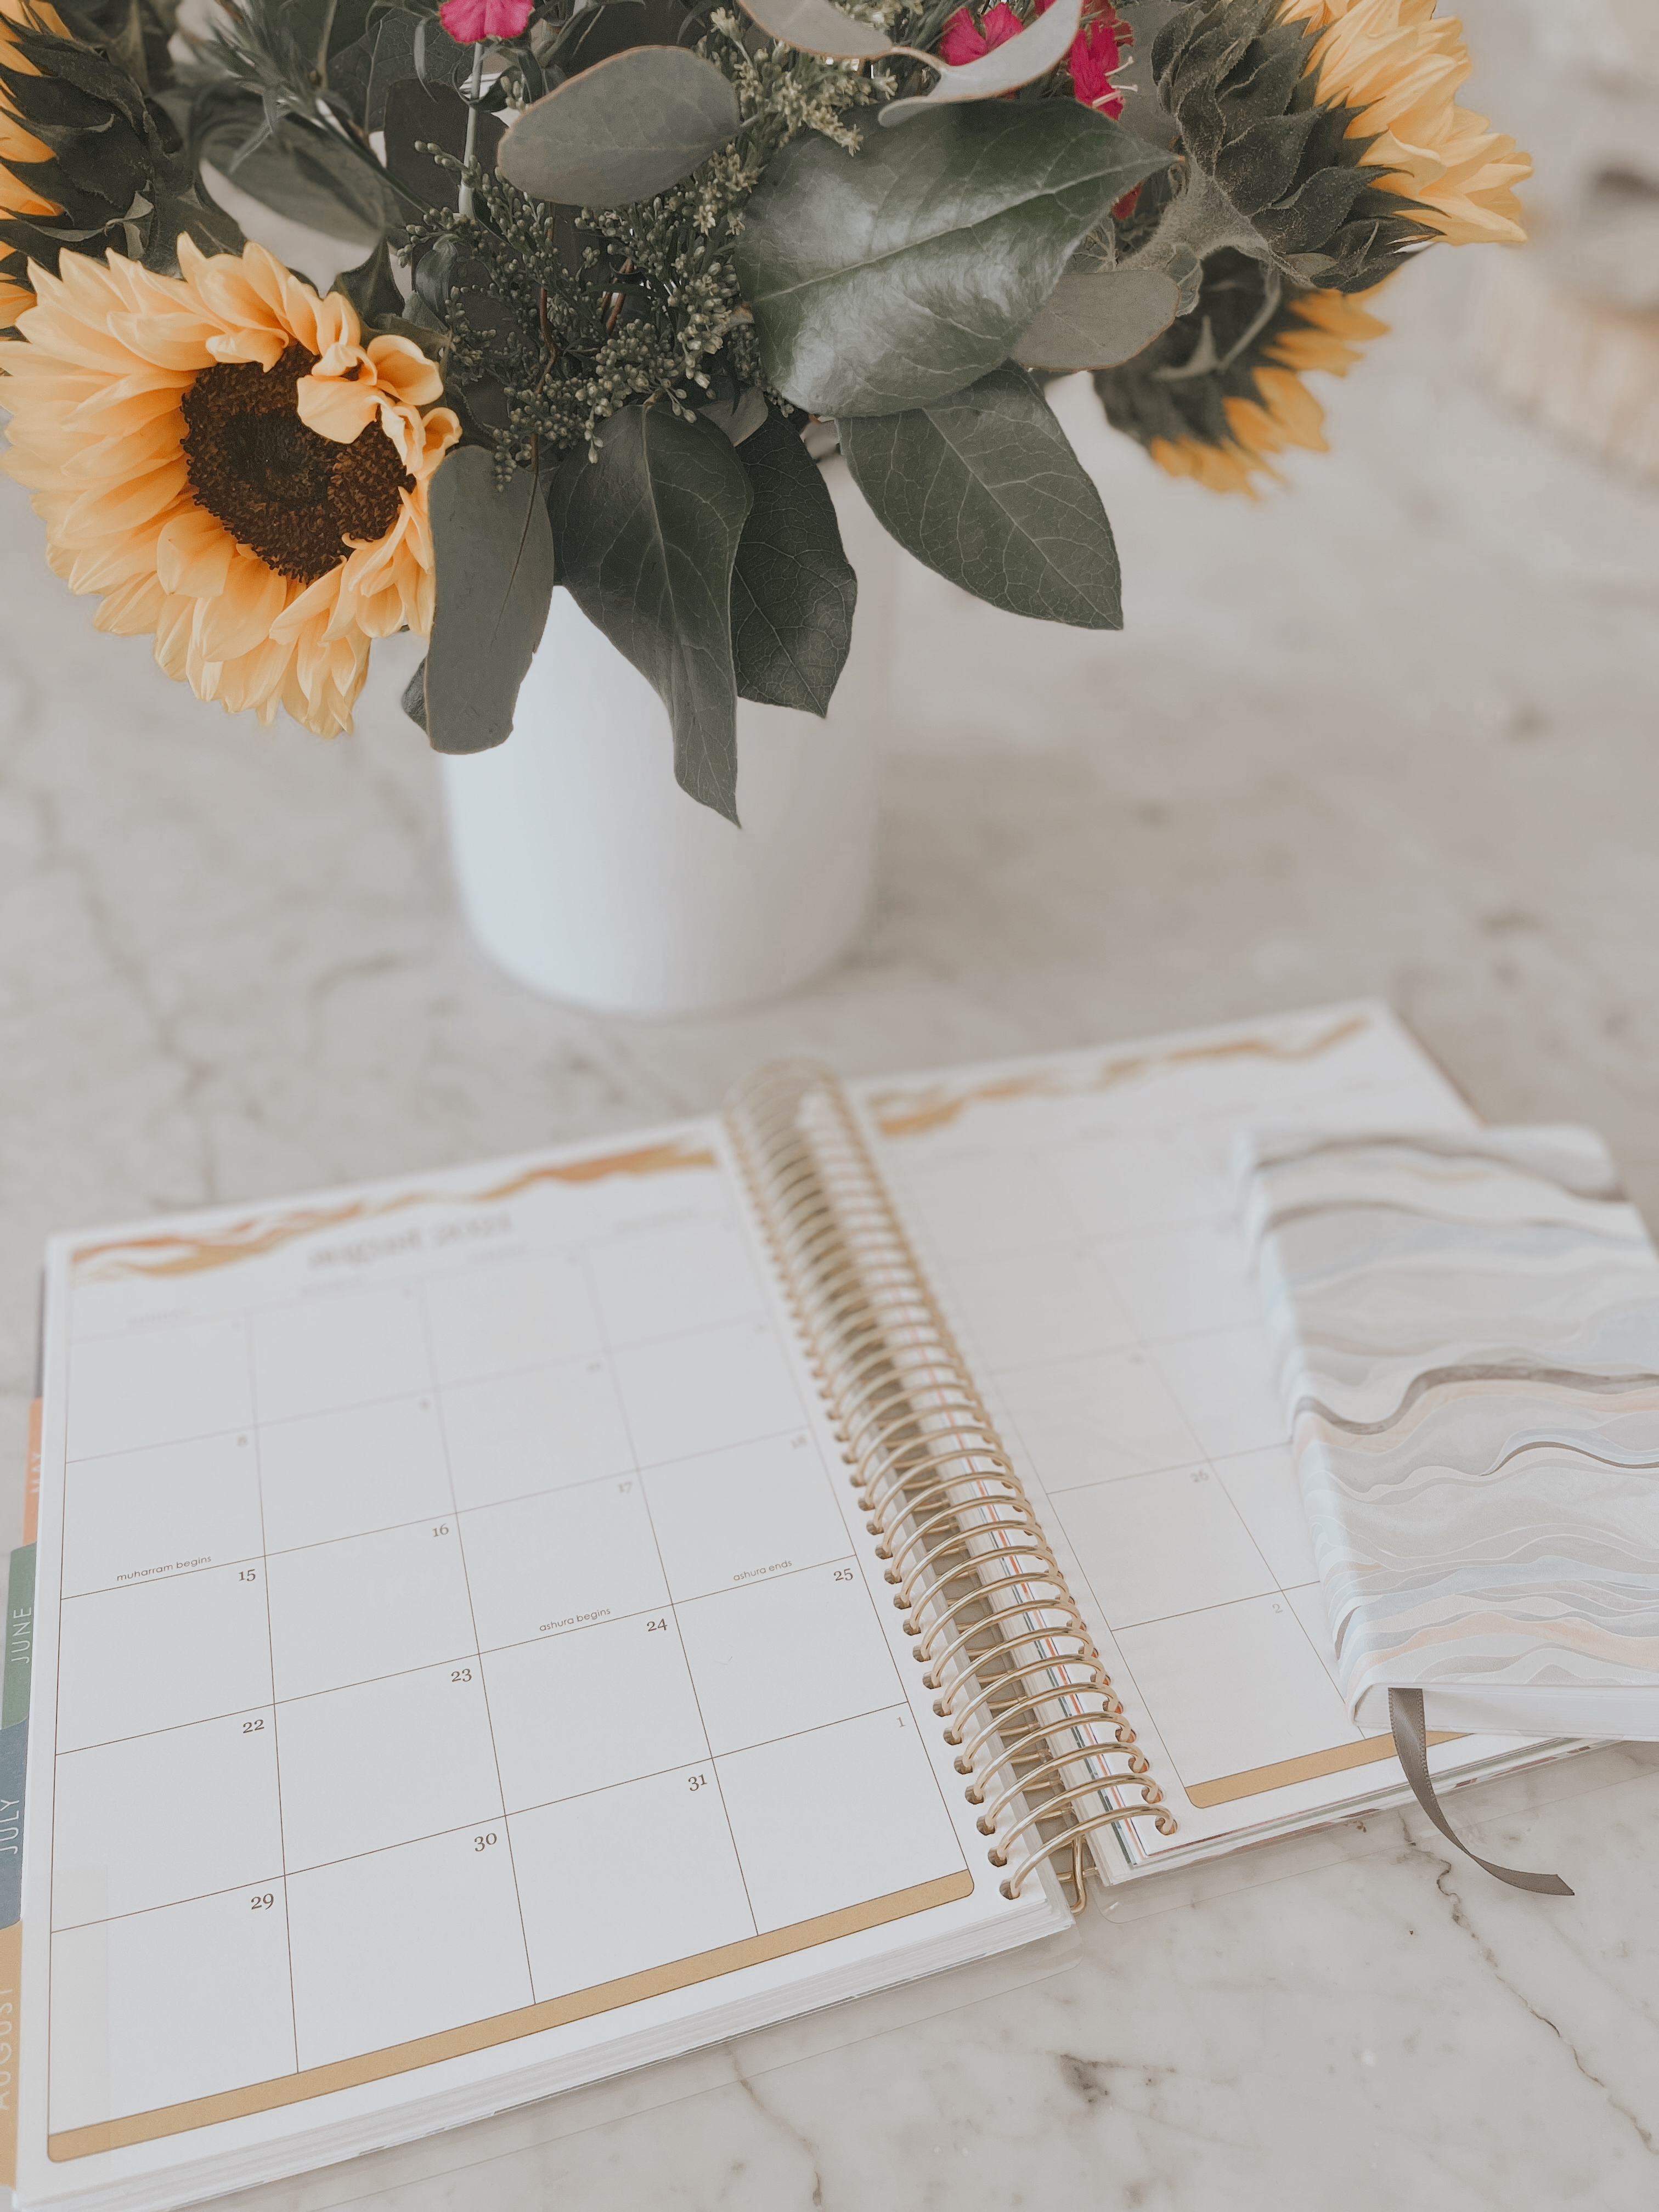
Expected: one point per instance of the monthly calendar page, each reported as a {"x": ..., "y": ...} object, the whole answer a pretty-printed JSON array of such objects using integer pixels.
[
  {"x": 1075, "y": 1216},
  {"x": 454, "y": 1629}
]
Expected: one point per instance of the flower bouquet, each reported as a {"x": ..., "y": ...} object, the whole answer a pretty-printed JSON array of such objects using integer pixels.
[{"x": 627, "y": 264}]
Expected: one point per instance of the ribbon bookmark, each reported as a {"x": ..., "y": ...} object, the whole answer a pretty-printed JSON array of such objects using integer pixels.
[{"x": 1411, "y": 1742}]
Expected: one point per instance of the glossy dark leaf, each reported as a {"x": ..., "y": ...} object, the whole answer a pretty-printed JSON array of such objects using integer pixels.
[
  {"x": 349, "y": 71},
  {"x": 647, "y": 535},
  {"x": 180, "y": 213},
  {"x": 349, "y": 25},
  {"x": 985, "y": 488},
  {"x": 793, "y": 589},
  {"x": 493, "y": 552},
  {"x": 898, "y": 275},
  {"x": 599, "y": 33},
  {"x": 408, "y": 46},
  {"x": 622, "y": 130},
  {"x": 371, "y": 288}
]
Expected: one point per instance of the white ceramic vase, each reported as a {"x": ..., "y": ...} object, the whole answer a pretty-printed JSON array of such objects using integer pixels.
[{"x": 587, "y": 873}]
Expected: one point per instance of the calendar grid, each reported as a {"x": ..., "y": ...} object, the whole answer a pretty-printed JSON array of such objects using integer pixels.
[
  {"x": 252, "y": 1442},
  {"x": 419, "y": 1295},
  {"x": 596, "y": 1468},
  {"x": 321, "y": 1543},
  {"x": 668, "y": 1587}
]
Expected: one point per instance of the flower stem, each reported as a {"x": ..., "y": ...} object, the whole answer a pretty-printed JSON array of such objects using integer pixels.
[
  {"x": 474, "y": 94},
  {"x": 1202, "y": 218}
]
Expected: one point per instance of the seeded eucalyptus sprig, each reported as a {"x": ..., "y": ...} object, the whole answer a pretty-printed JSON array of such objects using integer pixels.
[{"x": 558, "y": 316}]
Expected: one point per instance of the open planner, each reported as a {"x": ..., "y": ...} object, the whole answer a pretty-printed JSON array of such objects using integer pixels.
[{"x": 497, "y": 1628}]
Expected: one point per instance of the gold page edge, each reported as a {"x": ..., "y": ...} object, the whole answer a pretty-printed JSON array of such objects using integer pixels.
[
  {"x": 1257, "y": 1781},
  {"x": 503, "y": 2027}
]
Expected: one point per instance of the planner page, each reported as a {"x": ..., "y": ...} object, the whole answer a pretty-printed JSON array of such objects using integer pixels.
[
  {"x": 456, "y": 1649},
  {"x": 1075, "y": 1216}
]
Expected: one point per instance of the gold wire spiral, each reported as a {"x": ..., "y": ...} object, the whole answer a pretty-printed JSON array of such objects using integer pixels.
[{"x": 1021, "y": 1686}]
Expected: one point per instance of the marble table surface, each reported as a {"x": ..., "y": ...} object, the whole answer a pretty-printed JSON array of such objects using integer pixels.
[{"x": 1390, "y": 731}]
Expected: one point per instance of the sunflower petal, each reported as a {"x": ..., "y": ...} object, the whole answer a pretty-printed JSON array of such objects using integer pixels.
[{"x": 334, "y": 409}]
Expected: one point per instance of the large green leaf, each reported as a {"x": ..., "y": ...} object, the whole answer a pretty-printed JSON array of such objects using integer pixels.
[
  {"x": 1096, "y": 318},
  {"x": 793, "y": 589},
  {"x": 899, "y": 274},
  {"x": 646, "y": 537},
  {"x": 984, "y": 488},
  {"x": 493, "y": 552},
  {"x": 622, "y": 130}
]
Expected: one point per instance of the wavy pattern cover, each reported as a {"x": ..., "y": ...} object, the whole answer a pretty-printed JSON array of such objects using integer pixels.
[{"x": 1467, "y": 1328}]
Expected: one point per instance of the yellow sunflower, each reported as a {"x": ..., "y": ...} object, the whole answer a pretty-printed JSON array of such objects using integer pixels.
[
  {"x": 222, "y": 458},
  {"x": 1275, "y": 409},
  {"x": 1401, "y": 70},
  {"x": 17, "y": 144}
]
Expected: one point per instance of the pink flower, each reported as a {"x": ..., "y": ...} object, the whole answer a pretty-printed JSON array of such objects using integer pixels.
[
  {"x": 1101, "y": 46},
  {"x": 1097, "y": 51},
  {"x": 469, "y": 21},
  {"x": 964, "y": 41}
]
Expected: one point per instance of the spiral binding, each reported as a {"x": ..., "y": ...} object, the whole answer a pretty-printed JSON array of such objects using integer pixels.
[{"x": 1019, "y": 1684}]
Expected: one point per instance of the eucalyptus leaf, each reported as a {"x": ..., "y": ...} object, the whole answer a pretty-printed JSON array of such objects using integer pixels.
[
  {"x": 1031, "y": 53},
  {"x": 894, "y": 278},
  {"x": 648, "y": 536},
  {"x": 622, "y": 130},
  {"x": 1096, "y": 319},
  {"x": 793, "y": 589},
  {"x": 493, "y": 559},
  {"x": 818, "y": 27},
  {"x": 984, "y": 488},
  {"x": 418, "y": 116}
]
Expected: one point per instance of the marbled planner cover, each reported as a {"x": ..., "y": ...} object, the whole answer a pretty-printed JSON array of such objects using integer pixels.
[{"x": 1467, "y": 1332}]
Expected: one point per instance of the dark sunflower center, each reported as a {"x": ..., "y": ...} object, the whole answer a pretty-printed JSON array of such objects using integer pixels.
[
  {"x": 280, "y": 460},
  {"x": 286, "y": 492}
]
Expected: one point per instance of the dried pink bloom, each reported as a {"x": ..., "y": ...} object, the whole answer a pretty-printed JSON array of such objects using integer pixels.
[
  {"x": 964, "y": 41},
  {"x": 1101, "y": 46},
  {"x": 1098, "y": 49},
  {"x": 469, "y": 21}
]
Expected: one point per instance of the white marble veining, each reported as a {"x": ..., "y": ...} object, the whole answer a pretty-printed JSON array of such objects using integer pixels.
[{"x": 1392, "y": 732}]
